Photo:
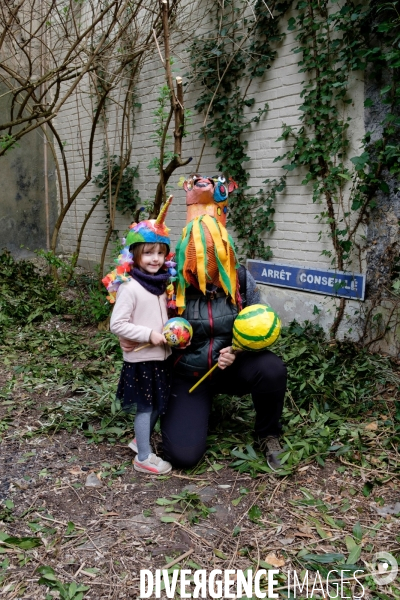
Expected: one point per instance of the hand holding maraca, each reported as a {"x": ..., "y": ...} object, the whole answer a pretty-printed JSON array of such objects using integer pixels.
[
  {"x": 255, "y": 328},
  {"x": 226, "y": 357},
  {"x": 177, "y": 333},
  {"x": 157, "y": 339}
]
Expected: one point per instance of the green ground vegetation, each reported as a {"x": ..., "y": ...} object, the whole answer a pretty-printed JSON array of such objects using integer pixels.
[{"x": 342, "y": 401}]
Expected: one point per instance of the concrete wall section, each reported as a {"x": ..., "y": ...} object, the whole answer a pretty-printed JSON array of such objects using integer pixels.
[
  {"x": 319, "y": 310},
  {"x": 26, "y": 217}
]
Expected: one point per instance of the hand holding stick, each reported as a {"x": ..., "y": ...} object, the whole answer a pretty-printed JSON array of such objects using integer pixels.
[
  {"x": 156, "y": 339},
  {"x": 255, "y": 328},
  {"x": 229, "y": 350}
]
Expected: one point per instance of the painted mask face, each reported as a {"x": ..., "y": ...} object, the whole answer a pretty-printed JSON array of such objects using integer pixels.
[
  {"x": 207, "y": 196},
  {"x": 198, "y": 189},
  {"x": 221, "y": 189}
]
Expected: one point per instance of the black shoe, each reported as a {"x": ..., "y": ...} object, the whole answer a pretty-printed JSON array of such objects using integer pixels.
[{"x": 272, "y": 449}]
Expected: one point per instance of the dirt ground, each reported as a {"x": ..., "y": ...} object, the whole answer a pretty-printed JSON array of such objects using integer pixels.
[{"x": 101, "y": 537}]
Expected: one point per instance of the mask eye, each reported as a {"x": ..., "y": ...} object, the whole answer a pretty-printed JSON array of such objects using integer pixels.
[{"x": 221, "y": 179}]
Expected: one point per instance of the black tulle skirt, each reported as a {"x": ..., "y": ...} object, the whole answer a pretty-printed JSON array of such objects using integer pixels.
[{"x": 145, "y": 385}]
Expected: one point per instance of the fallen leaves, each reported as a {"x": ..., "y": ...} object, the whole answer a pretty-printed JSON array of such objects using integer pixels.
[
  {"x": 274, "y": 560},
  {"x": 75, "y": 471},
  {"x": 373, "y": 426}
]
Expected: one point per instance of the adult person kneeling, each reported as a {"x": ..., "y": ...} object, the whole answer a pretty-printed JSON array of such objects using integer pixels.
[{"x": 210, "y": 293}]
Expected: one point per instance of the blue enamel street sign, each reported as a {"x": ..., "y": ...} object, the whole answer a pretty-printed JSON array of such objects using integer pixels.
[{"x": 317, "y": 281}]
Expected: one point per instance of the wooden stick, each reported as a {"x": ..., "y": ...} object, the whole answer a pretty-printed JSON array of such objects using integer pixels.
[
  {"x": 80, "y": 569},
  {"x": 203, "y": 378},
  {"x": 234, "y": 351},
  {"x": 141, "y": 347},
  {"x": 181, "y": 557}
]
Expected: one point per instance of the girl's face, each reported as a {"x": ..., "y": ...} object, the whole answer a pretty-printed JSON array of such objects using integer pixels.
[{"x": 152, "y": 258}]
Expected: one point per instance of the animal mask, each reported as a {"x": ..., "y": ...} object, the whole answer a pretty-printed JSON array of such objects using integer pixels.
[
  {"x": 208, "y": 196},
  {"x": 205, "y": 253}
]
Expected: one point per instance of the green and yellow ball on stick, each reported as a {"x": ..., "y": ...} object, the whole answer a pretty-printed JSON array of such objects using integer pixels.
[{"x": 255, "y": 328}]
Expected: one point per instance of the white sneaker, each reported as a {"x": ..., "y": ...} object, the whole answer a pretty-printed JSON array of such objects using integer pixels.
[
  {"x": 153, "y": 464},
  {"x": 133, "y": 445}
]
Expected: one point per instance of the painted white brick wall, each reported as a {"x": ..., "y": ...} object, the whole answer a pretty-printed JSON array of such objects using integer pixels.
[{"x": 296, "y": 238}]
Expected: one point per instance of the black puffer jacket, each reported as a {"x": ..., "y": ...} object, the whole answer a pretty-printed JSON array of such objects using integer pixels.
[{"x": 212, "y": 321}]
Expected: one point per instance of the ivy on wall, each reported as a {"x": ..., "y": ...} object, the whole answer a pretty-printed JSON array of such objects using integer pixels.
[
  {"x": 334, "y": 41},
  {"x": 329, "y": 45},
  {"x": 240, "y": 50},
  {"x": 381, "y": 52}
]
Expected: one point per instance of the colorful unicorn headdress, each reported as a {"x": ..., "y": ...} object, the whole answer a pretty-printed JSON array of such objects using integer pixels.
[
  {"x": 205, "y": 253},
  {"x": 151, "y": 231}
]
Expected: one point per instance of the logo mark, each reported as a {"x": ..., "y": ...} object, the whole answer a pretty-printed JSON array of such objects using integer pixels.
[{"x": 384, "y": 568}]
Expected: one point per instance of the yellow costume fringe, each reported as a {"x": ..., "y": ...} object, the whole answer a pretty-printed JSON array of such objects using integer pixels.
[{"x": 205, "y": 254}]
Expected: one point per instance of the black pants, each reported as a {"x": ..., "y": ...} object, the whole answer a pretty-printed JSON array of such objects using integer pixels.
[{"x": 184, "y": 425}]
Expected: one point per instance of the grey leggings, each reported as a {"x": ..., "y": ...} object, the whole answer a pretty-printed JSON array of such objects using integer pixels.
[{"x": 144, "y": 425}]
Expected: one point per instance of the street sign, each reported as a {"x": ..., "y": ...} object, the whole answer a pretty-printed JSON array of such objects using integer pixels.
[{"x": 308, "y": 279}]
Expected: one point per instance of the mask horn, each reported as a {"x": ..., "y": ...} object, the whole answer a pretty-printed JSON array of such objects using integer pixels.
[{"x": 163, "y": 212}]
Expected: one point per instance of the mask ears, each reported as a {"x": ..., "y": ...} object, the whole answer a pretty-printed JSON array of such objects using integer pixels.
[{"x": 232, "y": 185}]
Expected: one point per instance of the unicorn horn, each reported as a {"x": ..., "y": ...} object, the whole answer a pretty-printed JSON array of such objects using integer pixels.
[{"x": 163, "y": 212}]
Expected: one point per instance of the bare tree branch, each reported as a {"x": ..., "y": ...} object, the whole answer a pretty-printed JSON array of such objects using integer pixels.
[{"x": 177, "y": 109}]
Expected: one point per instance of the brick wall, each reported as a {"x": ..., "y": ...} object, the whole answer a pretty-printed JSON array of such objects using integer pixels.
[{"x": 296, "y": 238}]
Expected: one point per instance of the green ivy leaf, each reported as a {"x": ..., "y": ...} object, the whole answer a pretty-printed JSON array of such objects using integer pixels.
[
  {"x": 367, "y": 488},
  {"x": 386, "y": 89},
  {"x": 220, "y": 554},
  {"x": 350, "y": 543},
  {"x": 25, "y": 543}
]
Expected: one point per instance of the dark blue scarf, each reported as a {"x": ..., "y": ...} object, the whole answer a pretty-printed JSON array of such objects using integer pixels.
[{"x": 155, "y": 284}]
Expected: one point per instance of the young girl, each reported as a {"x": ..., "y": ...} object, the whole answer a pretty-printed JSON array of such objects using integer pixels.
[{"x": 139, "y": 315}]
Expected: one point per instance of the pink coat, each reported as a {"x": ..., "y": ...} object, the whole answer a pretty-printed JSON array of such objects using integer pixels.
[{"x": 136, "y": 314}]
